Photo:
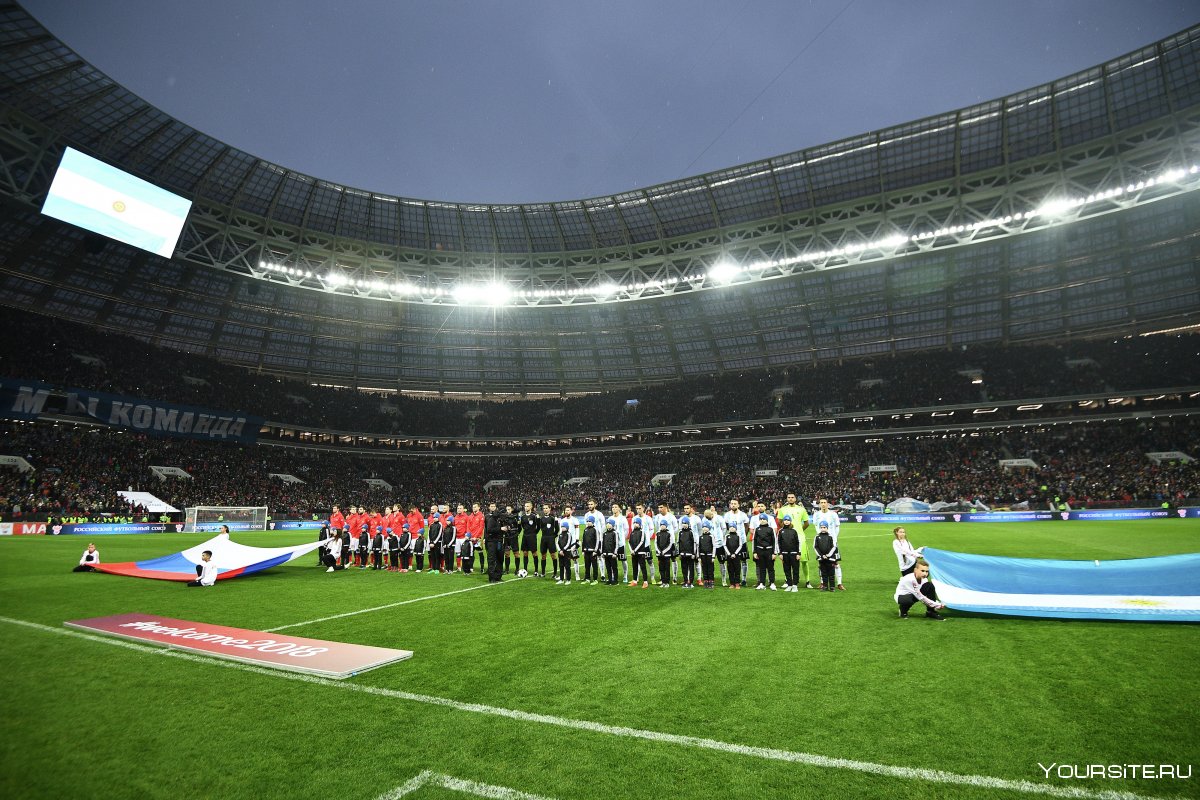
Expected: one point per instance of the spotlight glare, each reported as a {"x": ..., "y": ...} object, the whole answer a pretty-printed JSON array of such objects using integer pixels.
[
  {"x": 723, "y": 271},
  {"x": 1055, "y": 208}
]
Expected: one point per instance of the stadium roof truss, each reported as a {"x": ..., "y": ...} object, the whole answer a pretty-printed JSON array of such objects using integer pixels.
[{"x": 990, "y": 223}]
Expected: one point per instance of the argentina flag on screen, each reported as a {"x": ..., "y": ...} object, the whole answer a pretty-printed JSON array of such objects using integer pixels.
[
  {"x": 1161, "y": 589},
  {"x": 103, "y": 199}
]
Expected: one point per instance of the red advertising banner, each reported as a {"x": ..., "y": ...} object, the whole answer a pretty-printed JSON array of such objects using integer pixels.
[
  {"x": 29, "y": 528},
  {"x": 314, "y": 656}
]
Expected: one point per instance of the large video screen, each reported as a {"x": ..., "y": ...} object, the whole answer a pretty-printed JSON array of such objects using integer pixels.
[{"x": 112, "y": 203}]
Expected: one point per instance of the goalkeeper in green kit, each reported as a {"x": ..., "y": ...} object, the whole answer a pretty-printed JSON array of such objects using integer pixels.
[{"x": 799, "y": 517}]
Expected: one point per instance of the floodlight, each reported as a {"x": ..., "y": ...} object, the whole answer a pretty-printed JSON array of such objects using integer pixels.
[
  {"x": 488, "y": 294},
  {"x": 1056, "y": 207},
  {"x": 723, "y": 271}
]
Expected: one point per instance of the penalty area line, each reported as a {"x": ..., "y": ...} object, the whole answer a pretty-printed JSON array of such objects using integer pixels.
[
  {"x": 383, "y": 607},
  {"x": 694, "y": 742},
  {"x": 487, "y": 790}
]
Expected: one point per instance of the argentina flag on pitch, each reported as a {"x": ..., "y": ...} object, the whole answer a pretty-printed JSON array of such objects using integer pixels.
[{"x": 1161, "y": 589}]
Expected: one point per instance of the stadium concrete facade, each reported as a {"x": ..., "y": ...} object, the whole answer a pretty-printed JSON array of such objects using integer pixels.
[{"x": 1067, "y": 210}]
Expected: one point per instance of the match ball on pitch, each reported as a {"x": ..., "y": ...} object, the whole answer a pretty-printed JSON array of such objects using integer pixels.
[{"x": 521, "y": 573}]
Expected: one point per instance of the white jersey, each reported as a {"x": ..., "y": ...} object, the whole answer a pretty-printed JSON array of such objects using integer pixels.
[
  {"x": 572, "y": 526},
  {"x": 90, "y": 558},
  {"x": 771, "y": 521},
  {"x": 830, "y": 516},
  {"x": 621, "y": 526},
  {"x": 672, "y": 524},
  {"x": 596, "y": 517},
  {"x": 741, "y": 521}
]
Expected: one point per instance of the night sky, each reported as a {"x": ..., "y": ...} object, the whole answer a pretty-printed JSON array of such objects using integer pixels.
[{"x": 538, "y": 101}]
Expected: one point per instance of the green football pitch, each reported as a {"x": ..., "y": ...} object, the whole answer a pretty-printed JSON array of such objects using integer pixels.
[{"x": 528, "y": 689}]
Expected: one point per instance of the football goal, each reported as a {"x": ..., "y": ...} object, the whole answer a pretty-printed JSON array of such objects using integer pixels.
[{"x": 211, "y": 518}]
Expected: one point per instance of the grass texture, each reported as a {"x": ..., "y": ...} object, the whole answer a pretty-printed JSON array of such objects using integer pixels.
[{"x": 835, "y": 675}]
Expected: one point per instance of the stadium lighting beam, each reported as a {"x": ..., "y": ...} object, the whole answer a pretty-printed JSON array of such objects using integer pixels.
[
  {"x": 1058, "y": 207},
  {"x": 723, "y": 271},
  {"x": 488, "y": 294}
]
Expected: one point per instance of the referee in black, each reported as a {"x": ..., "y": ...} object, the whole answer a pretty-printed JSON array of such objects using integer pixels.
[
  {"x": 527, "y": 524},
  {"x": 548, "y": 525},
  {"x": 494, "y": 532}
]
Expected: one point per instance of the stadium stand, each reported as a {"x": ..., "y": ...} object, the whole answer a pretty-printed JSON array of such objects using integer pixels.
[
  {"x": 79, "y": 469},
  {"x": 50, "y": 350}
]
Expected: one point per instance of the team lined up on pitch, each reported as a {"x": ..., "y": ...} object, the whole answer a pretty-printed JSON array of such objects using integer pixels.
[{"x": 662, "y": 548}]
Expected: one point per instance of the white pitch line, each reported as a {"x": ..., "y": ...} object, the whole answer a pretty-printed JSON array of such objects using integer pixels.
[
  {"x": 408, "y": 787},
  {"x": 768, "y": 753},
  {"x": 381, "y": 608},
  {"x": 486, "y": 790}
]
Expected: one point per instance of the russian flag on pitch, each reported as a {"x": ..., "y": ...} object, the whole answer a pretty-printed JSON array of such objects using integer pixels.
[
  {"x": 1161, "y": 589},
  {"x": 232, "y": 559}
]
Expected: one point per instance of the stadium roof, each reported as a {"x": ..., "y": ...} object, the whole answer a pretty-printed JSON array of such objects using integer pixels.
[
  {"x": 950, "y": 230},
  {"x": 48, "y": 81}
]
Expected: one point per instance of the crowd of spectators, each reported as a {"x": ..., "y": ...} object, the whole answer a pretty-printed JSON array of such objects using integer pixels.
[
  {"x": 68, "y": 355},
  {"x": 80, "y": 469}
]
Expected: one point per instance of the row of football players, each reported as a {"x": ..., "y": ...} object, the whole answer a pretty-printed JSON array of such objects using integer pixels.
[
  {"x": 690, "y": 544},
  {"x": 523, "y": 527}
]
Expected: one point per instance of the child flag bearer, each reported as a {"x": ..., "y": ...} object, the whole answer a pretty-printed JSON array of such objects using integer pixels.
[
  {"x": 608, "y": 549},
  {"x": 917, "y": 588},
  {"x": 689, "y": 552},
  {"x": 708, "y": 552},
  {"x": 734, "y": 553},
  {"x": 639, "y": 551},
  {"x": 827, "y": 556},
  {"x": 789, "y": 552},
  {"x": 566, "y": 544}
]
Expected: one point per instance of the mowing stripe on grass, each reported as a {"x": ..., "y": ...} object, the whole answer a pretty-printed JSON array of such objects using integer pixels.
[
  {"x": 488, "y": 790},
  {"x": 768, "y": 753},
  {"x": 381, "y": 608}
]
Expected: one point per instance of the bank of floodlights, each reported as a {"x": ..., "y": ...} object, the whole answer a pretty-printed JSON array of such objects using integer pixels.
[{"x": 725, "y": 271}]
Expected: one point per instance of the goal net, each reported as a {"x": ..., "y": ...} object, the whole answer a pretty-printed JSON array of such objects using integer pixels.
[{"x": 209, "y": 519}]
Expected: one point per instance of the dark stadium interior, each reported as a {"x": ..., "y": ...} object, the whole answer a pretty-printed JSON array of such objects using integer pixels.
[
  {"x": 49, "y": 350},
  {"x": 267, "y": 402},
  {"x": 982, "y": 299}
]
